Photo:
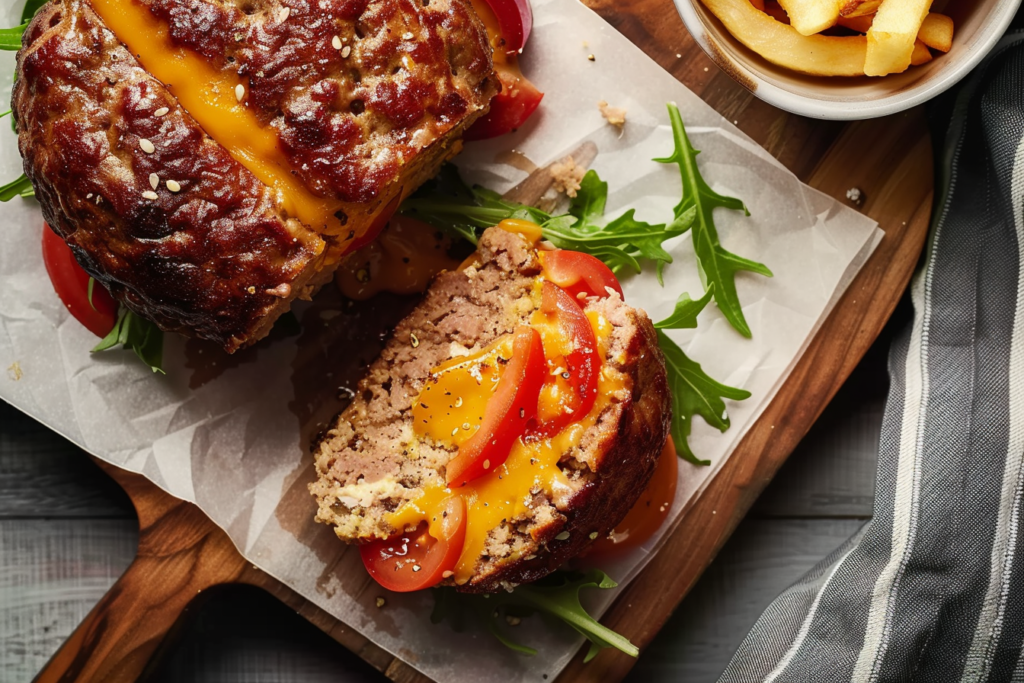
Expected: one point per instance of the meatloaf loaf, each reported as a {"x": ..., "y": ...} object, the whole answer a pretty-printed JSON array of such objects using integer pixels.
[
  {"x": 374, "y": 463},
  {"x": 362, "y": 100}
]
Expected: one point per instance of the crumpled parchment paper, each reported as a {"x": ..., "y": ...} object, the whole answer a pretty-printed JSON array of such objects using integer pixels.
[{"x": 231, "y": 433}]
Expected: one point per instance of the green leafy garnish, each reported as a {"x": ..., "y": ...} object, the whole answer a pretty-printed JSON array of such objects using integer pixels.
[
  {"x": 717, "y": 266},
  {"x": 556, "y": 596},
  {"x": 10, "y": 38},
  {"x": 21, "y": 187},
  {"x": 694, "y": 393},
  {"x": 448, "y": 204},
  {"x": 686, "y": 311},
  {"x": 32, "y": 7},
  {"x": 137, "y": 334}
]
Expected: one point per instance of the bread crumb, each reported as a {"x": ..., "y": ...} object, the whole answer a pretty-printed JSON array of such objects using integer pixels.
[
  {"x": 613, "y": 115},
  {"x": 14, "y": 371},
  {"x": 380, "y": 602},
  {"x": 567, "y": 176}
]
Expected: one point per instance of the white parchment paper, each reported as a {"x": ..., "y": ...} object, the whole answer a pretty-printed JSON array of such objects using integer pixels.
[{"x": 230, "y": 434}]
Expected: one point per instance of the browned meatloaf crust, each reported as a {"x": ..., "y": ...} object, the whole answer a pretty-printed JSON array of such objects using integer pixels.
[
  {"x": 364, "y": 462},
  {"x": 220, "y": 259}
]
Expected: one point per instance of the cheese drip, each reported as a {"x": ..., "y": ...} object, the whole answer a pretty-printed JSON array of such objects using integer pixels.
[
  {"x": 448, "y": 411},
  {"x": 209, "y": 95}
]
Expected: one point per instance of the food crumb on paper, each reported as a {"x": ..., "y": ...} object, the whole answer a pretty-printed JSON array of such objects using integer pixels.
[
  {"x": 855, "y": 195},
  {"x": 380, "y": 602},
  {"x": 613, "y": 115},
  {"x": 592, "y": 58},
  {"x": 567, "y": 176},
  {"x": 14, "y": 371}
]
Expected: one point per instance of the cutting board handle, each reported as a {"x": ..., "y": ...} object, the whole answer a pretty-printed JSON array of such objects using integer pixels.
[{"x": 181, "y": 553}]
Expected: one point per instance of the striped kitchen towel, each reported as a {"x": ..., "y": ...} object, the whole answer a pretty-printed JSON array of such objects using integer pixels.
[{"x": 932, "y": 588}]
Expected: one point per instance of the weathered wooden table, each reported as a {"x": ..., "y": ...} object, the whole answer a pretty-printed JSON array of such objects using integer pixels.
[{"x": 67, "y": 532}]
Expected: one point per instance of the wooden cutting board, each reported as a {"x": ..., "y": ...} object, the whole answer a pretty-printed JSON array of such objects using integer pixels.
[{"x": 181, "y": 553}]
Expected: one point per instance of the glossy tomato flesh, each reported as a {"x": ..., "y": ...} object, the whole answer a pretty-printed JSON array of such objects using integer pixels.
[
  {"x": 515, "y": 21},
  {"x": 508, "y": 412},
  {"x": 72, "y": 286},
  {"x": 583, "y": 362},
  {"x": 579, "y": 274},
  {"x": 510, "y": 108},
  {"x": 648, "y": 513},
  {"x": 414, "y": 561}
]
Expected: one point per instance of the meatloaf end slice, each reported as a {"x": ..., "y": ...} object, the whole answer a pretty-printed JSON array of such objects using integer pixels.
[
  {"x": 370, "y": 461},
  {"x": 161, "y": 214}
]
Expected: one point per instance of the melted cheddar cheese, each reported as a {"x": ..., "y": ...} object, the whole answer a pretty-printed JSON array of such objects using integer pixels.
[
  {"x": 209, "y": 95},
  {"x": 449, "y": 410}
]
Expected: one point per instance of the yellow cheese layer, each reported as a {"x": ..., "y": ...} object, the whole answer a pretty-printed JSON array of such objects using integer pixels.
[
  {"x": 209, "y": 95},
  {"x": 458, "y": 398}
]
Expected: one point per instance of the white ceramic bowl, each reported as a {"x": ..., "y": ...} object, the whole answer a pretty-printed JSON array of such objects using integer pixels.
[{"x": 978, "y": 27}]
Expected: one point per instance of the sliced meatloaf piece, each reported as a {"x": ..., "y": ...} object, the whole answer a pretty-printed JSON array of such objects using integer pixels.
[
  {"x": 166, "y": 218},
  {"x": 371, "y": 462}
]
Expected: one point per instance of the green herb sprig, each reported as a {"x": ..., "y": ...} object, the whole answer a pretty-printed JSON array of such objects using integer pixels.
[
  {"x": 135, "y": 333},
  {"x": 557, "y": 596},
  {"x": 716, "y": 265}
]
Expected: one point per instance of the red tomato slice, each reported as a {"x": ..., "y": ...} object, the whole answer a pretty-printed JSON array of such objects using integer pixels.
[
  {"x": 509, "y": 410},
  {"x": 649, "y": 512},
  {"x": 583, "y": 361},
  {"x": 579, "y": 273},
  {"x": 72, "y": 286},
  {"x": 379, "y": 223},
  {"x": 515, "y": 19},
  {"x": 412, "y": 562},
  {"x": 510, "y": 108}
]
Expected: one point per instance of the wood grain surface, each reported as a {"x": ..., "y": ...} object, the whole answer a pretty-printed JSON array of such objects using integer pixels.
[{"x": 181, "y": 554}]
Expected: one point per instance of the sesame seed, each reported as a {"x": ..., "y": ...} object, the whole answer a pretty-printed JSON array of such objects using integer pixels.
[
  {"x": 487, "y": 464},
  {"x": 147, "y": 146},
  {"x": 173, "y": 186},
  {"x": 89, "y": 196},
  {"x": 154, "y": 180},
  {"x": 407, "y": 35},
  {"x": 336, "y": 42},
  {"x": 149, "y": 194},
  {"x": 455, "y": 431},
  {"x": 593, "y": 535},
  {"x": 447, "y": 574},
  {"x": 345, "y": 52},
  {"x": 562, "y": 536},
  {"x": 251, "y": 289},
  {"x": 458, "y": 402},
  {"x": 592, "y": 58},
  {"x": 282, "y": 16},
  {"x": 415, "y": 340},
  {"x": 416, "y": 567},
  {"x": 239, "y": 92},
  {"x": 162, "y": 111}
]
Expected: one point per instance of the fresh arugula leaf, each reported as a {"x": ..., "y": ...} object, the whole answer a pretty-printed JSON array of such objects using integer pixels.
[
  {"x": 449, "y": 205},
  {"x": 685, "y": 314},
  {"x": 32, "y": 8},
  {"x": 21, "y": 187},
  {"x": 557, "y": 595},
  {"x": 10, "y": 38},
  {"x": 716, "y": 265},
  {"x": 694, "y": 393},
  {"x": 590, "y": 198},
  {"x": 137, "y": 334}
]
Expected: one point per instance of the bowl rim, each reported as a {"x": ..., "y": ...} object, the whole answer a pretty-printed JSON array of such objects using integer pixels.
[{"x": 852, "y": 110}]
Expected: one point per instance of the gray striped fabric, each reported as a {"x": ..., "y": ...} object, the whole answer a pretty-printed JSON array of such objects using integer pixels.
[{"x": 932, "y": 589}]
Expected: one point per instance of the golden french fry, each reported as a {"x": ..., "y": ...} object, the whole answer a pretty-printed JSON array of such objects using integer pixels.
[
  {"x": 759, "y": 4},
  {"x": 921, "y": 54},
  {"x": 859, "y": 8},
  {"x": 811, "y": 16},
  {"x": 892, "y": 35},
  {"x": 783, "y": 45},
  {"x": 937, "y": 32},
  {"x": 860, "y": 24}
]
